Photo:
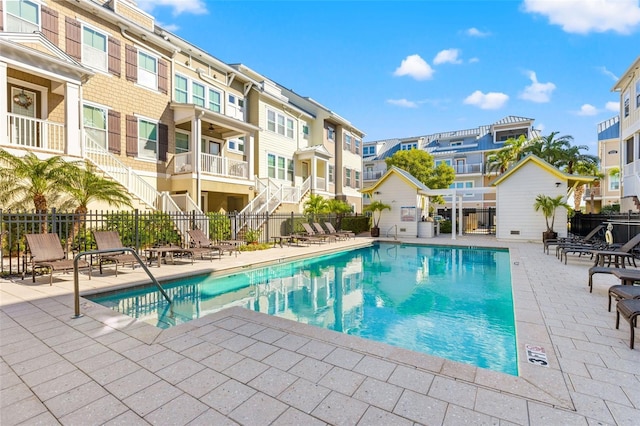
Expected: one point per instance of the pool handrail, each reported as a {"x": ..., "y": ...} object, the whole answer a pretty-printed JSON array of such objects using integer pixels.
[{"x": 76, "y": 276}]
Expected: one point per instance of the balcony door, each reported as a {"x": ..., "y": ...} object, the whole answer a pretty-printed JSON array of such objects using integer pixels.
[{"x": 24, "y": 129}]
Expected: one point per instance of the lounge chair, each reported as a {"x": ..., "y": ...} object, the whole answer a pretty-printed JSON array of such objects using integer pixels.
[
  {"x": 607, "y": 254},
  {"x": 313, "y": 235},
  {"x": 345, "y": 234},
  {"x": 590, "y": 238},
  {"x": 200, "y": 241},
  {"x": 109, "y": 240},
  {"x": 47, "y": 252},
  {"x": 623, "y": 292},
  {"x": 321, "y": 232},
  {"x": 630, "y": 310}
]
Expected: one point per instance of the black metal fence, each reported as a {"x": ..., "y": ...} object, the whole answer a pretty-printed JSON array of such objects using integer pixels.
[
  {"x": 625, "y": 225},
  {"x": 475, "y": 220},
  {"x": 137, "y": 229}
]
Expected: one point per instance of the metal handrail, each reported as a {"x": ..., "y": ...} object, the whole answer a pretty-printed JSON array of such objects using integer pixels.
[
  {"x": 76, "y": 276},
  {"x": 395, "y": 237}
]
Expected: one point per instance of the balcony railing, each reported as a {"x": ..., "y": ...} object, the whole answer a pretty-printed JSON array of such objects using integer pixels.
[
  {"x": 462, "y": 169},
  {"x": 36, "y": 133},
  {"x": 372, "y": 175},
  {"x": 321, "y": 183},
  {"x": 221, "y": 166},
  {"x": 597, "y": 192}
]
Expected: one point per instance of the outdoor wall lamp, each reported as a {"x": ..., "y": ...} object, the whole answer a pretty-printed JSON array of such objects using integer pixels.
[
  {"x": 558, "y": 184},
  {"x": 377, "y": 193}
]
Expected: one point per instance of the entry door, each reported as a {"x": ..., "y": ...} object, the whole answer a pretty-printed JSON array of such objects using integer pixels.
[
  {"x": 305, "y": 170},
  {"x": 24, "y": 132}
]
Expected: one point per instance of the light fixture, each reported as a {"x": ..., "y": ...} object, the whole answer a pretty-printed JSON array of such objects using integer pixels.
[
  {"x": 23, "y": 100},
  {"x": 377, "y": 192},
  {"x": 211, "y": 128},
  {"x": 558, "y": 184}
]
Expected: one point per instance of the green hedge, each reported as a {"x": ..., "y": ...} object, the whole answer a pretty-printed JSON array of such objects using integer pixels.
[
  {"x": 445, "y": 227},
  {"x": 356, "y": 224}
]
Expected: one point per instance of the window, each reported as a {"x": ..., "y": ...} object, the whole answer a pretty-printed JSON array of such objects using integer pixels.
[
  {"x": 447, "y": 162},
  {"x": 182, "y": 143},
  {"x": 347, "y": 142},
  {"x": 462, "y": 185},
  {"x": 280, "y": 124},
  {"x": 94, "y": 48},
  {"x": 236, "y": 144},
  {"x": 369, "y": 150},
  {"x": 331, "y": 174},
  {"x": 456, "y": 143},
  {"x": 347, "y": 180},
  {"x": 271, "y": 120},
  {"x": 626, "y": 104},
  {"x": 147, "y": 70},
  {"x": 358, "y": 143},
  {"x": 147, "y": 139},
  {"x": 357, "y": 179},
  {"x": 289, "y": 128},
  {"x": 214, "y": 100},
  {"x": 638, "y": 93},
  {"x": 290, "y": 170},
  {"x": 331, "y": 133},
  {"x": 279, "y": 167},
  {"x": 305, "y": 131},
  {"x": 23, "y": 16},
  {"x": 197, "y": 97},
  {"x": 94, "y": 120},
  {"x": 614, "y": 183},
  {"x": 182, "y": 91},
  {"x": 409, "y": 146},
  {"x": 271, "y": 166},
  {"x": 235, "y": 107}
]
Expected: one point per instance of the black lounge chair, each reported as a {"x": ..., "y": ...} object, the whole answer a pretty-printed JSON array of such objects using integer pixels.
[
  {"x": 623, "y": 292},
  {"x": 607, "y": 254},
  {"x": 588, "y": 239},
  {"x": 630, "y": 310}
]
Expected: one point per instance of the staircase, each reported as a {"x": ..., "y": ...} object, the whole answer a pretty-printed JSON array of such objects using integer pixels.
[
  {"x": 112, "y": 167},
  {"x": 270, "y": 196}
]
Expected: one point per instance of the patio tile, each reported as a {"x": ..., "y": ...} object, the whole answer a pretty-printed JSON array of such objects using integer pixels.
[
  {"x": 202, "y": 382},
  {"x": 311, "y": 369},
  {"x": 132, "y": 383},
  {"x": 315, "y": 349},
  {"x": 343, "y": 358},
  {"x": 237, "y": 343},
  {"x": 182, "y": 342},
  {"x": 374, "y": 367},
  {"x": 97, "y": 412},
  {"x": 378, "y": 393},
  {"x": 180, "y": 370},
  {"x": 42, "y": 419},
  {"x": 410, "y": 378},
  {"x": 128, "y": 418},
  {"x": 86, "y": 352},
  {"x": 294, "y": 417},
  {"x": 501, "y": 405},
  {"x": 376, "y": 416},
  {"x": 269, "y": 335},
  {"x": 259, "y": 351},
  {"x": 201, "y": 351},
  {"x": 273, "y": 381},
  {"x": 543, "y": 414},
  {"x": 341, "y": 380},
  {"x": 420, "y": 408},
  {"x": 48, "y": 373},
  {"x": 60, "y": 385},
  {"x": 623, "y": 414},
  {"x": 178, "y": 411},
  {"x": 115, "y": 371},
  {"x": 249, "y": 329},
  {"x": 222, "y": 360},
  {"x": 226, "y": 397},
  {"x": 606, "y": 391},
  {"x": 457, "y": 415},
  {"x": 74, "y": 399},
  {"x": 339, "y": 409},
  {"x": 22, "y": 410},
  {"x": 245, "y": 370},
  {"x": 304, "y": 395},
  {"x": 212, "y": 417},
  {"x": 259, "y": 409},
  {"x": 148, "y": 399},
  {"x": 15, "y": 394},
  {"x": 291, "y": 342},
  {"x": 99, "y": 361},
  {"x": 283, "y": 359},
  {"x": 160, "y": 360},
  {"x": 453, "y": 391},
  {"x": 37, "y": 363},
  {"x": 142, "y": 351}
]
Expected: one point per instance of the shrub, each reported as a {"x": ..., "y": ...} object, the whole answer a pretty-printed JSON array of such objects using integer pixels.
[
  {"x": 356, "y": 224},
  {"x": 445, "y": 227}
]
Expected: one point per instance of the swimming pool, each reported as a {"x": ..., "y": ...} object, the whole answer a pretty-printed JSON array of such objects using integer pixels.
[{"x": 451, "y": 302}]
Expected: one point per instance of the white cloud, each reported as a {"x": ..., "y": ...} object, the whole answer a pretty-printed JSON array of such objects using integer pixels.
[
  {"x": 447, "y": 56},
  {"x": 416, "y": 67},
  {"x": 587, "y": 110},
  {"x": 583, "y": 17},
  {"x": 608, "y": 73},
  {"x": 402, "y": 103},
  {"x": 169, "y": 27},
  {"x": 196, "y": 7},
  {"x": 491, "y": 100},
  {"x": 474, "y": 60},
  {"x": 474, "y": 32},
  {"x": 612, "y": 106},
  {"x": 536, "y": 91}
]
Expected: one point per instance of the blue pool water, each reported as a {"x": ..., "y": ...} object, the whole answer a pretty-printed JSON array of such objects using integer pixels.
[{"x": 450, "y": 302}]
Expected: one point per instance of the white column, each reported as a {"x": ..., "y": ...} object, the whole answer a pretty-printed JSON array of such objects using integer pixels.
[
  {"x": 313, "y": 173},
  {"x": 249, "y": 149},
  {"x": 196, "y": 133},
  {"x": 453, "y": 215},
  {"x": 72, "y": 119},
  {"x": 460, "y": 228},
  {"x": 4, "y": 130}
]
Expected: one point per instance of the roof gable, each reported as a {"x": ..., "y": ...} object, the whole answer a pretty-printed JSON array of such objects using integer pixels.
[
  {"x": 571, "y": 179},
  {"x": 403, "y": 174}
]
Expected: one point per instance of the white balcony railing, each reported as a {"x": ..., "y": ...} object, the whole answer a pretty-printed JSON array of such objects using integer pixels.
[
  {"x": 321, "y": 184},
  {"x": 461, "y": 169},
  {"x": 36, "y": 133},
  {"x": 221, "y": 166},
  {"x": 182, "y": 163}
]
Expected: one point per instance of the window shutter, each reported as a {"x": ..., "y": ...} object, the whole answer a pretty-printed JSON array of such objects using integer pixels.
[
  {"x": 49, "y": 24},
  {"x": 163, "y": 141},
  {"x": 114, "y": 56},
  {"x": 353, "y": 144},
  {"x": 73, "y": 37},
  {"x": 114, "y": 132},
  {"x": 132, "y": 136},
  {"x": 131, "y": 58},
  {"x": 162, "y": 76}
]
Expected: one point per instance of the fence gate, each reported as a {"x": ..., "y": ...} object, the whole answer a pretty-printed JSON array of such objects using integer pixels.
[{"x": 479, "y": 221}]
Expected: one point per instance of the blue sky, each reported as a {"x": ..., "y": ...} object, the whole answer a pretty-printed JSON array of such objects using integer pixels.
[{"x": 409, "y": 68}]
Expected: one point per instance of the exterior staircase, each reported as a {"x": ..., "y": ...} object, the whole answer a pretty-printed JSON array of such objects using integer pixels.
[{"x": 137, "y": 186}]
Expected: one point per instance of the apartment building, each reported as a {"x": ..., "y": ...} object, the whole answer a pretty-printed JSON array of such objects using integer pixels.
[
  {"x": 179, "y": 128},
  {"x": 607, "y": 192},
  {"x": 629, "y": 88},
  {"x": 465, "y": 150}
]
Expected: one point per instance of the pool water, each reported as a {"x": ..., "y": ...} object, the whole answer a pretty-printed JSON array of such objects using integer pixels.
[{"x": 451, "y": 302}]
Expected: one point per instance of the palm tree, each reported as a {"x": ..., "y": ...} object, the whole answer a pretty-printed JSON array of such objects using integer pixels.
[
  {"x": 376, "y": 207},
  {"x": 340, "y": 208},
  {"x": 548, "y": 205},
  {"x": 584, "y": 168},
  {"x": 549, "y": 148},
  {"x": 512, "y": 151},
  {"x": 315, "y": 205}
]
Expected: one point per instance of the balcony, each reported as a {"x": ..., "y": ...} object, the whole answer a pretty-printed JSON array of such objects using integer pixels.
[
  {"x": 213, "y": 165},
  {"x": 596, "y": 192},
  {"x": 372, "y": 174},
  {"x": 462, "y": 169},
  {"x": 27, "y": 132}
]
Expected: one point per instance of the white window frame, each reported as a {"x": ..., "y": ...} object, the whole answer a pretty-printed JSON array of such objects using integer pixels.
[
  {"x": 147, "y": 78},
  {"x": 282, "y": 168},
  {"x": 305, "y": 131},
  {"x": 236, "y": 144},
  {"x": 332, "y": 173},
  {"x": 92, "y": 56},
  {"x": 358, "y": 143},
  {"x": 213, "y": 106},
  {"x": 347, "y": 177},
  {"x": 348, "y": 140},
  {"x": 626, "y": 104},
  {"x": 408, "y": 146},
  {"x": 614, "y": 183},
  {"x": 456, "y": 143},
  {"x": 179, "y": 91},
  {"x": 289, "y": 128},
  {"x": 638, "y": 93},
  {"x": 18, "y": 24},
  {"x": 446, "y": 161},
  {"x": 143, "y": 141},
  {"x": 368, "y": 150},
  {"x": 95, "y": 130},
  {"x": 357, "y": 178},
  {"x": 280, "y": 124},
  {"x": 463, "y": 184},
  {"x": 331, "y": 133},
  {"x": 198, "y": 100}
]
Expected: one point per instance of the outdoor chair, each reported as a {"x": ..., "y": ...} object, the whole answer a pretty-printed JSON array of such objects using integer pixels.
[
  {"x": 619, "y": 256},
  {"x": 332, "y": 230},
  {"x": 110, "y": 240},
  {"x": 630, "y": 310},
  {"x": 560, "y": 243},
  {"x": 47, "y": 252},
  {"x": 312, "y": 235},
  {"x": 623, "y": 292},
  {"x": 321, "y": 232},
  {"x": 199, "y": 240}
]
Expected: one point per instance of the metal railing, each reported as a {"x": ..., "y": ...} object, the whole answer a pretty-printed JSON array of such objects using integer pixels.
[
  {"x": 36, "y": 133},
  {"x": 76, "y": 277}
]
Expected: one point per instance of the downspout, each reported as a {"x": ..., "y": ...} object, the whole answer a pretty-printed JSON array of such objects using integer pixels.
[
  {"x": 196, "y": 147},
  {"x": 123, "y": 31}
]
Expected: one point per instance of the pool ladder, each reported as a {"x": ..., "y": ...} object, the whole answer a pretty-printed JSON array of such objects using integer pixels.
[
  {"x": 395, "y": 235},
  {"x": 76, "y": 276}
]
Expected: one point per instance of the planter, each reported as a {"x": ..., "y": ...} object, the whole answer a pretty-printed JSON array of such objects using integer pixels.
[
  {"x": 375, "y": 232},
  {"x": 549, "y": 236}
]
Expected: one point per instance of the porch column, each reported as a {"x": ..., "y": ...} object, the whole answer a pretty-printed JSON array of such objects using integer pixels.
[
  {"x": 313, "y": 173},
  {"x": 4, "y": 130},
  {"x": 453, "y": 215},
  {"x": 460, "y": 228},
  {"x": 73, "y": 122},
  {"x": 326, "y": 178},
  {"x": 196, "y": 132},
  {"x": 248, "y": 152}
]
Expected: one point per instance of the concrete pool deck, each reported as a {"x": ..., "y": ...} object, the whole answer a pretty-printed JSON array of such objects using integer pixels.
[{"x": 242, "y": 367}]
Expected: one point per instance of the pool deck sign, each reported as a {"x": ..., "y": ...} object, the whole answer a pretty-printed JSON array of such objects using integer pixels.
[{"x": 536, "y": 355}]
